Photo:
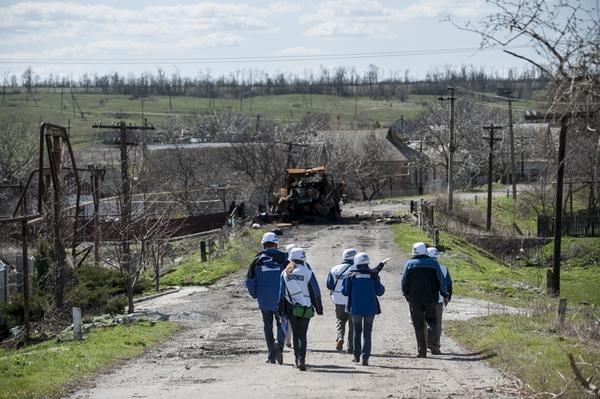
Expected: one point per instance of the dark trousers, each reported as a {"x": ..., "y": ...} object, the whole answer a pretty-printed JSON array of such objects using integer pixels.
[
  {"x": 422, "y": 316},
  {"x": 268, "y": 318},
  {"x": 299, "y": 338},
  {"x": 434, "y": 331},
  {"x": 363, "y": 329}
]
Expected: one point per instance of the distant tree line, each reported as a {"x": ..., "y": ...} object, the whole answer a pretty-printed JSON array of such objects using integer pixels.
[{"x": 339, "y": 81}]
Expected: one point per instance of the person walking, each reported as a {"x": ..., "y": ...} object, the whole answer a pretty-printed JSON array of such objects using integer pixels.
[
  {"x": 334, "y": 281},
  {"x": 362, "y": 287},
  {"x": 299, "y": 299},
  {"x": 434, "y": 332},
  {"x": 422, "y": 283},
  {"x": 262, "y": 282}
]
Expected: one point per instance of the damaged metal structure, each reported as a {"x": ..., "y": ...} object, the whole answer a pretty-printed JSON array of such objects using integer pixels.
[{"x": 309, "y": 193}]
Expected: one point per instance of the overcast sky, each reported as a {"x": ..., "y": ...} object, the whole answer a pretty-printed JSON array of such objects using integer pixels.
[{"x": 70, "y": 38}]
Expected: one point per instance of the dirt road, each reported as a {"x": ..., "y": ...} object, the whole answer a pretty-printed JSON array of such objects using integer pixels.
[{"x": 221, "y": 353}]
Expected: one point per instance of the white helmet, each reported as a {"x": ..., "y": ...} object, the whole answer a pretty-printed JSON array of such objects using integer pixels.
[
  {"x": 298, "y": 253},
  {"x": 349, "y": 254},
  {"x": 361, "y": 258},
  {"x": 419, "y": 248}
]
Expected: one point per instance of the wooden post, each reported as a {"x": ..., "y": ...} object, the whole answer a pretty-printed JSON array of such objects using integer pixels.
[{"x": 203, "y": 251}]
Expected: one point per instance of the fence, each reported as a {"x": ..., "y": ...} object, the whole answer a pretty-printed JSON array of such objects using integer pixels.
[
  {"x": 573, "y": 225},
  {"x": 427, "y": 221}
]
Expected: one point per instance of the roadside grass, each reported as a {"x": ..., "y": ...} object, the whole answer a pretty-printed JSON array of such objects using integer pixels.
[
  {"x": 530, "y": 349},
  {"x": 531, "y": 346},
  {"x": 51, "y": 369},
  {"x": 191, "y": 271}
]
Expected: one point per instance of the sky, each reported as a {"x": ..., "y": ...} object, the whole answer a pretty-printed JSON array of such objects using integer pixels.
[{"x": 244, "y": 37}]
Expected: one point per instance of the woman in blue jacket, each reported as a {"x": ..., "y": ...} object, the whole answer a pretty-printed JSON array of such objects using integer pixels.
[{"x": 362, "y": 287}]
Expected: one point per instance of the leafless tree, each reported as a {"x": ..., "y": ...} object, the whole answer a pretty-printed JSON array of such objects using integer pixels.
[{"x": 471, "y": 149}]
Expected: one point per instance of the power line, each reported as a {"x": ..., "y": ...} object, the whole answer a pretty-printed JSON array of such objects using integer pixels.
[{"x": 223, "y": 60}]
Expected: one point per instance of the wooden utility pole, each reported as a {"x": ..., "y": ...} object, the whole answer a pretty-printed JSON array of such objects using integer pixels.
[
  {"x": 126, "y": 203},
  {"x": 491, "y": 128},
  {"x": 97, "y": 175},
  {"x": 553, "y": 276}
]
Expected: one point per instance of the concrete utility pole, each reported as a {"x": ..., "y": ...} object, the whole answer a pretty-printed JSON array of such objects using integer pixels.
[
  {"x": 492, "y": 139},
  {"x": 451, "y": 147}
]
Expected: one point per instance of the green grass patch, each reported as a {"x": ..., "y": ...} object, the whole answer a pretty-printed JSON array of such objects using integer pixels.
[
  {"x": 529, "y": 349},
  {"x": 49, "y": 369},
  {"x": 239, "y": 254}
]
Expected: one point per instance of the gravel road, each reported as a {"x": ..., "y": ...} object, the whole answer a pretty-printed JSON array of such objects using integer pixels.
[{"x": 221, "y": 352}]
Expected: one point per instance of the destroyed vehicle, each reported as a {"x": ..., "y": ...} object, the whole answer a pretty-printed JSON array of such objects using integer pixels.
[{"x": 309, "y": 193}]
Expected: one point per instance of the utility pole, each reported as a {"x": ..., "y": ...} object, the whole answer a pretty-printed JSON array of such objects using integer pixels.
[
  {"x": 97, "y": 175},
  {"x": 492, "y": 139},
  {"x": 506, "y": 92},
  {"x": 126, "y": 203},
  {"x": 451, "y": 147}
]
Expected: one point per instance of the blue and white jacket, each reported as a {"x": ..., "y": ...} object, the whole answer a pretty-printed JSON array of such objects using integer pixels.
[
  {"x": 262, "y": 279},
  {"x": 423, "y": 281},
  {"x": 335, "y": 279},
  {"x": 362, "y": 287}
]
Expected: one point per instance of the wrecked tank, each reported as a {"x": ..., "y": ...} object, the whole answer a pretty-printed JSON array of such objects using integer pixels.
[{"x": 309, "y": 193}]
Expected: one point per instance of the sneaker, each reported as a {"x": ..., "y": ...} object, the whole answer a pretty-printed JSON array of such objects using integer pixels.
[
  {"x": 436, "y": 352},
  {"x": 355, "y": 360},
  {"x": 350, "y": 350},
  {"x": 270, "y": 361},
  {"x": 422, "y": 355},
  {"x": 365, "y": 362},
  {"x": 278, "y": 354},
  {"x": 339, "y": 344}
]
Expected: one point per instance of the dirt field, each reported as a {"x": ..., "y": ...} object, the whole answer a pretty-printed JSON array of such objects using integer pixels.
[{"x": 221, "y": 353}]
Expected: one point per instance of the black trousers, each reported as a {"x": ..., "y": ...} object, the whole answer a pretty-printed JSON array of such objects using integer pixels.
[{"x": 423, "y": 315}]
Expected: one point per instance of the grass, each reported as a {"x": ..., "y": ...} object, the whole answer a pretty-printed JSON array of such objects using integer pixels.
[
  {"x": 531, "y": 348},
  {"x": 528, "y": 349},
  {"x": 191, "y": 271},
  {"x": 49, "y": 369}
]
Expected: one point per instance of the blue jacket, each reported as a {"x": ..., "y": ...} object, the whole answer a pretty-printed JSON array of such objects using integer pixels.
[
  {"x": 362, "y": 287},
  {"x": 263, "y": 277},
  {"x": 423, "y": 281}
]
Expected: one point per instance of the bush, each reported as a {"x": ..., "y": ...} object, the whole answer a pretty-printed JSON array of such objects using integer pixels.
[
  {"x": 116, "y": 305},
  {"x": 94, "y": 288}
]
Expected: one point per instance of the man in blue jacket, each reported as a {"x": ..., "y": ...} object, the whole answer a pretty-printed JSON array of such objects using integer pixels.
[
  {"x": 422, "y": 284},
  {"x": 362, "y": 287},
  {"x": 262, "y": 281}
]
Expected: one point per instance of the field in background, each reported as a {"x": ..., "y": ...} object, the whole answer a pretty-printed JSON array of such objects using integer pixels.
[{"x": 48, "y": 105}]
